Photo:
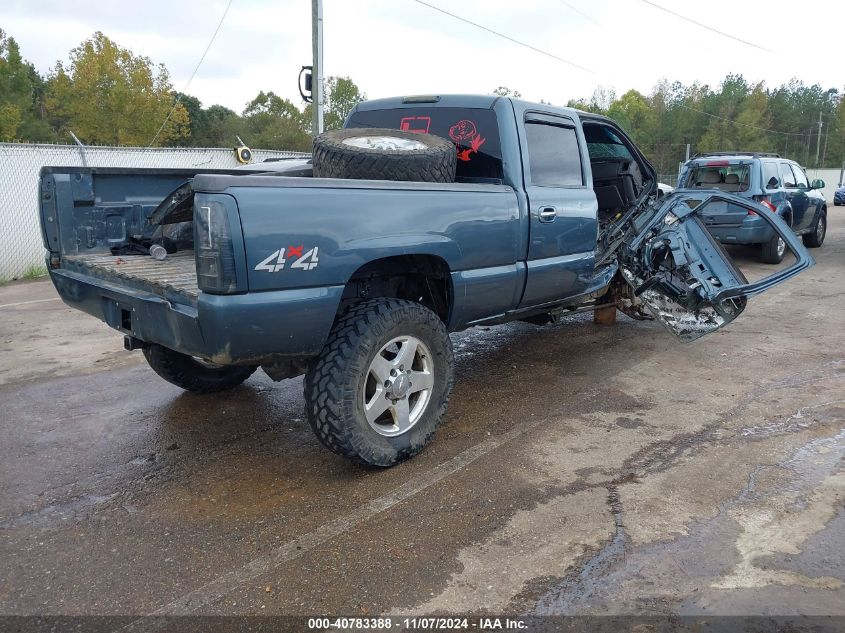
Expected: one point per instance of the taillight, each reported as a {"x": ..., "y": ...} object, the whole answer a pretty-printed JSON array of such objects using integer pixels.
[
  {"x": 765, "y": 202},
  {"x": 213, "y": 245}
]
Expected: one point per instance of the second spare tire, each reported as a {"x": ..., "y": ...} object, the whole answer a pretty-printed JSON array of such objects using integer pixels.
[{"x": 384, "y": 154}]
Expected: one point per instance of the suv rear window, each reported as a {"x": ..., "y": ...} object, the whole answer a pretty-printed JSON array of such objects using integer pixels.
[
  {"x": 726, "y": 177},
  {"x": 474, "y": 131}
]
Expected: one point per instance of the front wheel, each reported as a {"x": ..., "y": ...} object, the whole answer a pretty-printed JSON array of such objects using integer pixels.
[
  {"x": 193, "y": 374},
  {"x": 378, "y": 391},
  {"x": 816, "y": 238}
]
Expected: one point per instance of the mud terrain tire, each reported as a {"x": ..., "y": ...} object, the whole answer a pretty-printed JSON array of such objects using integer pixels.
[
  {"x": 337, "y": 381},
  {"x": 194, "y": 375},
  {"x": 384, "y": 154}
]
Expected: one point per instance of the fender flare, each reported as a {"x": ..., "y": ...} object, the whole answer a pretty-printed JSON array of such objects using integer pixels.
[{"x": 784, "y": 209}]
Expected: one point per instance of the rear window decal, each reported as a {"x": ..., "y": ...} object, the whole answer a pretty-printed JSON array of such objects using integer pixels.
[
  {"x": 416, "y": 124},
  {"x": 464, "y": 133}
]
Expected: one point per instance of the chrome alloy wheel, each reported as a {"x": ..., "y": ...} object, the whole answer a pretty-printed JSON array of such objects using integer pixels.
[
  {"x": 392, "y": 143},
  {"x": 398, "y": 386},
  {"x": 781, "y": 247},
  {"x": 821, "y": 227}
]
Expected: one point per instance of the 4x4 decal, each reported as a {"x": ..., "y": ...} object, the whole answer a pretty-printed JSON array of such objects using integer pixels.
[{"x": 276, "y": 261}]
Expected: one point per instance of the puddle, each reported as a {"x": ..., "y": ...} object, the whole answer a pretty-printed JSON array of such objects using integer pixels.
[{"x": 798, "y": 421}]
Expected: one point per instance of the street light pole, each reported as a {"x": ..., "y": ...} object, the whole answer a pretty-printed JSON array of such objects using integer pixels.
[{"x": 317, "y": 70}]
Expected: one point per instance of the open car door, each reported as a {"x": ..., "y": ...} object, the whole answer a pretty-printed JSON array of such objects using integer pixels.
[{"x": 682, "y": 275}]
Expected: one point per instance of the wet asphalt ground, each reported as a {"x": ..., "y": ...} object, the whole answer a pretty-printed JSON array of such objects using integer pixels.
[{"x": 582, "y": 469}]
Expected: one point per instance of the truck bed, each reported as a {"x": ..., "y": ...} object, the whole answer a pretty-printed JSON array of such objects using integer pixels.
[{"x": 175, "y": 274}]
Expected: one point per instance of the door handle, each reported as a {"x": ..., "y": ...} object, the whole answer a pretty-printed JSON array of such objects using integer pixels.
[{"x": 546, "y": 214}]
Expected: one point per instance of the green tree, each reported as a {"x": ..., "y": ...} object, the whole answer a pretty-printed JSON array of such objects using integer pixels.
[
  {"x": 633, "y": 112},
  {"x": 196, "y": 119},
  {"x": 722, "y": 132},
  {"x": 753, "y": 120},
  {"x": 341, "y": 96},
  {"x": 21, "y": 93},
  {"x": 271, "y": 122},
  {"x": 583, "y": 104},
  {"x": 109, "y": 95},
  {"x": 504, "y": 91},
  {"x": 219, "y": 127}
]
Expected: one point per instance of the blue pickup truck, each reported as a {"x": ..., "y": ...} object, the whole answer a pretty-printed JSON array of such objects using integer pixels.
[{"x": 424, "y": 216}]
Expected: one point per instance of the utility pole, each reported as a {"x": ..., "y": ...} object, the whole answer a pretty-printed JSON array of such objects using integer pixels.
[
  {"x": 819, "y": 140},
  {"x": 317, "y": 70}
]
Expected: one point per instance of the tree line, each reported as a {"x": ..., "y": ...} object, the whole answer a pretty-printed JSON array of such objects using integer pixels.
[
  {"x": 107, "y": 95},
  {"x": 736, "y": 115}
]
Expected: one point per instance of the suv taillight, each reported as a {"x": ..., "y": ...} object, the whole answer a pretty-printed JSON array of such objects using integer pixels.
[
  {"x": 765, "y": 202},
  {"x": 213, "y": 243}
]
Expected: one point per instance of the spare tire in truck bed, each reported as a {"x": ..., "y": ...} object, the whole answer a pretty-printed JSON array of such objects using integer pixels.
[{"x": 384, "y": 154}]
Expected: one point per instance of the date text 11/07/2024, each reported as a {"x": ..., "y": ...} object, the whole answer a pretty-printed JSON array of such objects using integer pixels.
[{"x": 418, "y": 623}]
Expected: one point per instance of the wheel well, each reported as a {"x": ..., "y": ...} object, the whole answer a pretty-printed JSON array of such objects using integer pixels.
[{"x": 425, "y": 279}]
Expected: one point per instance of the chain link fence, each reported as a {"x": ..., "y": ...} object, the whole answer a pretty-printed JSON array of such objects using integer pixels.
[{"x": 21, "y": 248}]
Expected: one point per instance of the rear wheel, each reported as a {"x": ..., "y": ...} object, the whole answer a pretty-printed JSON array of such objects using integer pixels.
[
  {"x": 816, "y": 238},
  {"x": 772, "y": 252},
  {"x": 378, "y": 391},
  {"x": 194, "y": 374}
]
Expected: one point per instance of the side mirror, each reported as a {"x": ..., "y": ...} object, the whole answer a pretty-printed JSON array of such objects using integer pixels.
[{"x": 817, "y": 184}]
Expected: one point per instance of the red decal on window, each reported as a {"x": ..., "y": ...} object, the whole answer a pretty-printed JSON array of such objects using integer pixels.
[
  {"x": 416, "y": 124},
  {"x": 295, "y": 251},
  {"x": 465, "y": 132}
]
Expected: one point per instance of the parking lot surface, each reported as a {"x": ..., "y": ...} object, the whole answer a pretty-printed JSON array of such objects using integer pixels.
[{"x": 581, "y": 469}]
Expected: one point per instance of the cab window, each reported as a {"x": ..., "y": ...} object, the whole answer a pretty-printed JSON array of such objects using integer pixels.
[{"x": 553, "y": 155}]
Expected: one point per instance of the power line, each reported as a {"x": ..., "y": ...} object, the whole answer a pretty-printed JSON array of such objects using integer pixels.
[
  {"x": 566, "y": 61},
  {"x": 193, "y": 74},
  {"x": 581, "y": 13},
  {"x": 704, "y": 26},
  {"x": 755, "y": 127},
  {"x": 507, "y": 37}
]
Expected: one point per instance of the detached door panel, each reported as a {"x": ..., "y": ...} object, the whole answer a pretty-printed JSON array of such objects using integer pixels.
[
  {"x": 683, "y": 276},
  {"x": 563, "y": 211}
]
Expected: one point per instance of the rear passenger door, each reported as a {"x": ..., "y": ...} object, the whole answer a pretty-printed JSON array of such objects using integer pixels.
[{"x": 563, "y": 224}]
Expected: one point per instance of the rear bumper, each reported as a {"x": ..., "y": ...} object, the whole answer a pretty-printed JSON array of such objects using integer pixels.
[
  {"x": 745, "y": 233},
  {"x": 226, "y": 329}
]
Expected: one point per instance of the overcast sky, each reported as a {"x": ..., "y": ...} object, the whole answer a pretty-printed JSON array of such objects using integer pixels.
[{"x": 397, "y": 47}]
